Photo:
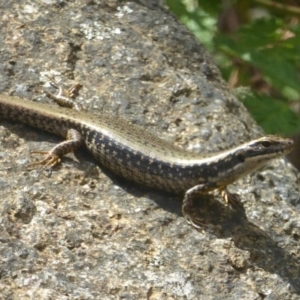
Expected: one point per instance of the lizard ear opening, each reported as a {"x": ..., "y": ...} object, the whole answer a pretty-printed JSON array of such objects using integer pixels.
[{"x": 241, "y": 157}]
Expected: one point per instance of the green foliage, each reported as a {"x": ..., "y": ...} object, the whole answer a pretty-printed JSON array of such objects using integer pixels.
[
  {"x": 272, "y": 114},
  {"x": 261, "y": 45},
  {"x": 268, "y": 46},
  {"x": 199, "y": 21}
]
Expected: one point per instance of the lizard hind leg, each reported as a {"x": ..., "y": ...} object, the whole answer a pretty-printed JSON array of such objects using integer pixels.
[
  {"x": 50, "y": 160},
  {"x": 61, "y": 99},
  {"x": 53, "y": 156}
]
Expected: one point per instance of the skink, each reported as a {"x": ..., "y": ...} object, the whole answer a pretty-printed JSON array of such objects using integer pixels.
[{"x": 137, "y": 155}]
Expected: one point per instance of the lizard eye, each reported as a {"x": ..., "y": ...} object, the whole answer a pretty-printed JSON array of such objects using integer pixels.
[{"x": 266, "y": 144}]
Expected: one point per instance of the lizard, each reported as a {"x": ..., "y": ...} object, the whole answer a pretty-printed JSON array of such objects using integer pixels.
[{"x": 140, "y": 156}]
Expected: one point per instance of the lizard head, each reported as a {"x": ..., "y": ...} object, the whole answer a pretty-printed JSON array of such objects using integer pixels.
[{"x": 264, "y": 149}]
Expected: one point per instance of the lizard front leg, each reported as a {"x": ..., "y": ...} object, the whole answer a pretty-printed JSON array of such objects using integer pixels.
[{"x": 232, "y": 199}]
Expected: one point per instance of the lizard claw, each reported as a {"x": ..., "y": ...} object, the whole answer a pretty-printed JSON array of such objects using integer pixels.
[
  {"x": 195, "y": 222},
  {"x": 50, "y": 160},
  {"x": 230, "y": 198}
]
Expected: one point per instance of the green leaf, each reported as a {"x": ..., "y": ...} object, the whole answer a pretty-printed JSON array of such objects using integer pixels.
[{"x": 273, "y": 115}]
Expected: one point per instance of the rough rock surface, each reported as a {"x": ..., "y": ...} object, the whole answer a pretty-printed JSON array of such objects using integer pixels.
[{"x": 81, "y": 232}]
